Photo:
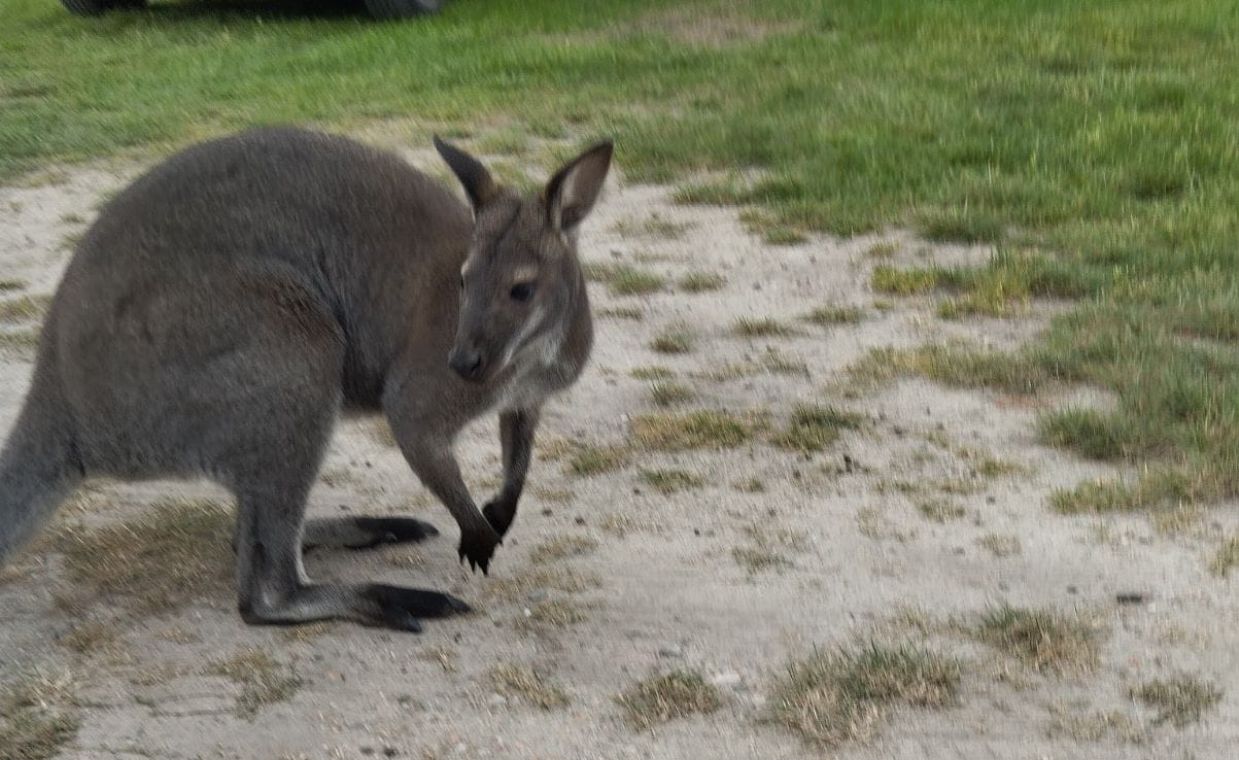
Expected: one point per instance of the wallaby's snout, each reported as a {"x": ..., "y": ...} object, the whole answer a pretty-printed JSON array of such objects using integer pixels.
[{"x": 468, "y": 362}]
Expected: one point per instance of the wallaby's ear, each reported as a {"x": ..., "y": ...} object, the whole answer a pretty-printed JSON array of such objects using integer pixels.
[
  {"x": 476, "y": 180},
  {"x": 572, "y": 191}
]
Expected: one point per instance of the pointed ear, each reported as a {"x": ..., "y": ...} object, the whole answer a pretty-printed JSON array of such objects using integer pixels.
[
  {"x": 472, "y": 175},
  {"x": 571, "y": 193}
]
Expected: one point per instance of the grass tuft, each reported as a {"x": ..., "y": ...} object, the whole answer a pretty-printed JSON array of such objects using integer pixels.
[
  {"x": 902, "y": 282},
  {"x": 671, "y": 481},
  {"x": 747, "y": 327},
  {"x": 841, "y": 696},
  {"x": 670, "y": 393},
  {"x": 813, "y": 428},
  {"x": 562, "y": 547},
  {"x": 1045, "y": 640},
  {"x": 668, "y": 697},
  {"x": 1226, "y": 558},
  {"x": 701, "y": 282},
  {"x": 704, "y": 429},
  {"x": 38, "y": 716},
  {"x": 177, "y": 553},
  {"x": 835, "y": 315},
  {"x": 1179, "y": 701},
  {"x": 676, "y": 339},
  {"x": 587, "y": 460},
  {"x": 529, "y": 686}
]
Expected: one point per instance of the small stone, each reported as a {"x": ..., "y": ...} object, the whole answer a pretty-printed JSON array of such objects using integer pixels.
[
  {"x": 1073, "y": 590},
  {"x": 497, "y": 700},
  {"x": 537, "y": 595},
  {"x": 579, "y": 521},
  {"x": 390, "y": 752},
  {"x": 367, "y": 751},
  {"x": 1130, "y": 597},
  {"x": 671, "y": 652}
]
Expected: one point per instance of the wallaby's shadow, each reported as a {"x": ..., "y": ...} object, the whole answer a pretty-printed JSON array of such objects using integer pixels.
[{"x": 281, "y": 10}]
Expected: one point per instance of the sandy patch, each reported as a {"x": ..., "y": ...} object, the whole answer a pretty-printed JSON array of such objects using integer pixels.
[{"x": 721, "y": 563}]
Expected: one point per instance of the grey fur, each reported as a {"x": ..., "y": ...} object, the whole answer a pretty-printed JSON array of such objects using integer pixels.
[{"x": 227, "y": 305}]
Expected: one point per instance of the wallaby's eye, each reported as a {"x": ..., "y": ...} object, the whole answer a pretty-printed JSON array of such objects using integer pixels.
[{"x": 522, "y": 291}]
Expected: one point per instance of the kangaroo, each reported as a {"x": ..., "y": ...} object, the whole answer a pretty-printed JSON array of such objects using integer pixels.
[{"x": 227, "y": 305}]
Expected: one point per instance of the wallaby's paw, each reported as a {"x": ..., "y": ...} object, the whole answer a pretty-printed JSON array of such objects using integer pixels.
[
  {"x": 478, "y": 546},
  {"x": 401, "y": 608},
  {"x": 500, "y": 514}
]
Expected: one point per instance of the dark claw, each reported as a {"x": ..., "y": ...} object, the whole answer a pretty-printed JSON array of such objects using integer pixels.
[{"x": 478, "y": 548}]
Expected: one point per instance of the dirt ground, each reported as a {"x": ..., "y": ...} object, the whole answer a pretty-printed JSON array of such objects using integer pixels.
[{"x": 929, "y": 510}]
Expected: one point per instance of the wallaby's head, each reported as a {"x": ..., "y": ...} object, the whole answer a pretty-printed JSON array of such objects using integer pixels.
[{"x": 521, "y": 282}]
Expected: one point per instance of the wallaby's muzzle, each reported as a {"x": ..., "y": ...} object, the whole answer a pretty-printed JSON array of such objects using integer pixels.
[{"x": 468, "y": 363}]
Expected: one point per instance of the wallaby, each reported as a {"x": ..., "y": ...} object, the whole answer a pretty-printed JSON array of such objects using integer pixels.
[{"x": 228, "y": 304}]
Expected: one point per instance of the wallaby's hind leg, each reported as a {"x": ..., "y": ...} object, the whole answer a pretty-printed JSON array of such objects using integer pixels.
[
  {"x": 273, "y": 589},
  {"x": 363, "y": 532}
]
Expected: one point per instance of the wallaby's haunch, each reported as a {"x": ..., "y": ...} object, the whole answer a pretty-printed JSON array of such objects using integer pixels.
[{"x": 223, "y": 308}]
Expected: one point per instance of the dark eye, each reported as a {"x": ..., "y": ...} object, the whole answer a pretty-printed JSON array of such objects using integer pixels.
[{"x": 522, "y": 291}]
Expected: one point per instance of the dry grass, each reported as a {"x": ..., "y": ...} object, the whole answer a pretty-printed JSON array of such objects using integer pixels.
[
  {"x": 676, "y": 339},
  {"x": 555, "y": 613},
  {"x": 1000, "y": 546},
  {"x": 835, "y": 315},
  {"x": 663, "y": 698},
  {"x": 634, "y": 313},
  {"x": 747, "y": 327},
  {"x": 175, "y": 554},
  {"x": 652, "y": 372},
  {"x": 624, "y": 279},
  {"x": 767, "y": 547},
  {"x": 1045, "y": 640},
  {"x": 1226, "y": 558},
  {"x": 38, "y": 716},
  {"x": 940, "y": 510},
  {"x": 1082, "y": 726},
  {"x": 91, "y": 637},
  {"x": 653, "y": 226},
  {"x": 670, "y": 393},
  {"x": 263, "y": 681},
  {"x": 836, "y": 697},
  {"x": 24, "y": 309},
  {"x": 701, "y": 282},
  {"x": 19, "y": 343},
  {"x": 1179, "y": 701},
  {"x": 589, "y": 460},
  {"x": 671, "y": 481},
  {"x": 813, "y": 428},
  {"x": 703, "y": 429},
  {"x": 540, "y": 578},
  {"x": 529, "y": 686},
  {"x": 562, "y": 547}
]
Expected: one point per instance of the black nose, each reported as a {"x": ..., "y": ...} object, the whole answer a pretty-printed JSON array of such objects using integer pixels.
[{"x": 467, "y": 363}]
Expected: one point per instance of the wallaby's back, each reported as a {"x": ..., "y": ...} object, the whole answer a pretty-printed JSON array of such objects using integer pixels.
[{"x": 201, "y": 284}]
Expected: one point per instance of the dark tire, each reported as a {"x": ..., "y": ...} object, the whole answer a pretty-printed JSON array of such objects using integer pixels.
[
  {"x": 87, "y": 7},
  {"x": 394, "y": 9}
]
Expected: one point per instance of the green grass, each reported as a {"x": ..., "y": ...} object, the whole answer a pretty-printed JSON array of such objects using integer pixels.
[
  {"x": 1093, "y": 142},
  {"x": 835, "y": 697},
  {"x": 902, "y": 282},
  {"x": 587, "y": 460},
  {"x": 835, "y": 315},
  {"x": 813, "y": 428},
  {"x": 704, "y": 429},
  {"x": 670, "y": 393}
]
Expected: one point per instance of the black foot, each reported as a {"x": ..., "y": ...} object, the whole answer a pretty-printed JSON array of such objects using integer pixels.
[
  {"x": 365, "y": 532},
  {"x": 400, "y": 608}
]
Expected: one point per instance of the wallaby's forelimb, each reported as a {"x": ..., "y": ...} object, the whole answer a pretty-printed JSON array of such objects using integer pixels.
[
  {"x": 363, "y": 532},
  {"x": 516, "y": 432}
]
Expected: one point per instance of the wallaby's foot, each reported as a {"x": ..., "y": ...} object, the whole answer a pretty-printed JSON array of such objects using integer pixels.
[
  {"x": 478, "y": 545},
  {"x": 372, "y": 604},
  {"x": 399, "y": 608},
  {"x": 500, "y": 513},
  {"x": 364, "y": 532}
]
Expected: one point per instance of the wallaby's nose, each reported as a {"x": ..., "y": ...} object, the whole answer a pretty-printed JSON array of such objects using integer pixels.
[{"x": 467, "y": 362}]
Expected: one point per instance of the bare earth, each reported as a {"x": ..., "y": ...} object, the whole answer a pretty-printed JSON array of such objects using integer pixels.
[{"x": 771, "y": 555}]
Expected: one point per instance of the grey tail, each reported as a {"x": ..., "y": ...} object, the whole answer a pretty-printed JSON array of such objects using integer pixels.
[{"x": 39, "y": 466}]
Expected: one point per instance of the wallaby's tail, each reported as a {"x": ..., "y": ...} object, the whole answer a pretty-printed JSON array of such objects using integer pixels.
[{"x": 38, "y": 466}]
